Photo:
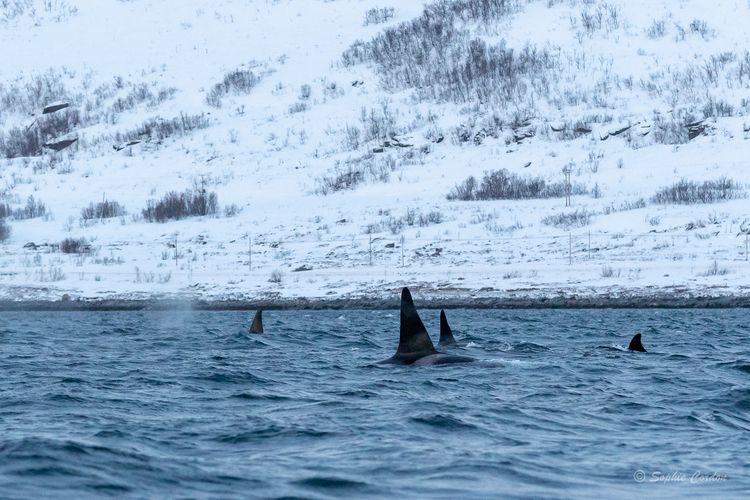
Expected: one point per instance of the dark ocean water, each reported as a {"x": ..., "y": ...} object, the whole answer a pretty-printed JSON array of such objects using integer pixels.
[{"x": 189, "y": 405}]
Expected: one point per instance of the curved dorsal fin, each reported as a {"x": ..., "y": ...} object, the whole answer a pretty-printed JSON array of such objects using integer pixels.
[
  {"x": 414, "y": 341},
  {"x": 257, "y": 326},
  {"x": 446, "y": 335},
  {"x": 635, "y": 344}
]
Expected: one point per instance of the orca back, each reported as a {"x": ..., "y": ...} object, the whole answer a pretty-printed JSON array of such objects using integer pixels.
[
  {"x": 414, "y": 341},
  {"x": 257, "y": 326},
  {"x": 446, "y": 335},
  {"x": 635, "y": 344}
]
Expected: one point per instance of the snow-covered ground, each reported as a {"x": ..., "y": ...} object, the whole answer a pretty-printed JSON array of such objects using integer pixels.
[{"x": 267, "y": 153}]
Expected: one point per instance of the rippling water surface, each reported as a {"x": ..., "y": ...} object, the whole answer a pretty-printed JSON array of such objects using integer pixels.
[{"x": 190, "y": 405}]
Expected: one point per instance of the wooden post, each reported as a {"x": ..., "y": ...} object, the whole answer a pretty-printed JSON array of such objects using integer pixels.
[{"x": 402, "y": 250}]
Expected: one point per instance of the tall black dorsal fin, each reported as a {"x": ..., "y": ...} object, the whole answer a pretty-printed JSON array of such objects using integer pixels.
[
  {"x": 257, "y": 326},
  {"x": 446, "y": 335},
  {"x": 414, "y": 341},
  {"x": 635, "y": 344}
]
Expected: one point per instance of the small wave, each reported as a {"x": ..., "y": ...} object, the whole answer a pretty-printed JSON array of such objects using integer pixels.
[
  {"x": 259, "y": 397},
  {"x": 518, "y": 363},
  {"x": 66, "y": 398},
  {"x": 529, "y": 347},
  {"x": 442, "y": 421},
  {"x": 235, "y": 378},
  {"x": 472, "y": 344},
  {"x": 329, "y": 483},
  {"x": 270, "y": 432},
  {"x": 73, "y": 381},
  {"x": 742, "y": 366}
]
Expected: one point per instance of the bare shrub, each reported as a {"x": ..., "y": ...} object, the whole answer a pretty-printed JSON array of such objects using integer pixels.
[
  {"x": 687, "y": 192},
  {"x": 378, "y": 15},
  {"x": 607, "y": 272},
  {"x": 174, "y": 205},
  {"x": 103, "y": 210},
  {"x": 657, "y": 29},
  {"x": 5, "y": 231},
  {"x": 73, "y": 245},
  {"x": 158, "y": 129},
  {"x": 701, "y": 27},
  {"x": 357, "y": 170},
  {"x": 715, "y": 271},
  {"x": 503, "y": 185},
  {"x": 579, "y": 218},
  {"x": 277, "y": 275},
  {"x": 237, "y": 82},
  {"x": 436, "y": 55}
]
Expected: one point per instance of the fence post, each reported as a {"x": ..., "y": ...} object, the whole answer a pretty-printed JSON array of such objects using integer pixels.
[
  {"x": 402, "y": 250},
  {"x": 570, "y": 249}
]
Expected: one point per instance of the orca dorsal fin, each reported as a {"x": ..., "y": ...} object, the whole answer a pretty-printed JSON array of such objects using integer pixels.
[
  {"x": 414, "y": 341},
  {"x": 635, "y": 344},
  {"x": 446, "y": 335},
  {"x": 257, "y": 326}
]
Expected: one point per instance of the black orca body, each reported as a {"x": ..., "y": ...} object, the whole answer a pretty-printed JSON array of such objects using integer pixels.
[
  {"x": 414, "y": 345},
  {"x": 446, "y": 335},
  {"x": 257, "y": 326},
  {"x": 635, "y": 344}
]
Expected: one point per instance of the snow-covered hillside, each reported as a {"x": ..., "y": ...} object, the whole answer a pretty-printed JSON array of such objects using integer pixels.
[{"x": 334, "y": 148}]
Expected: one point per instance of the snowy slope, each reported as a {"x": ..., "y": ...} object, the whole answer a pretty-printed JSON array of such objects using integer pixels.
[{"x": 267, "y": 153}]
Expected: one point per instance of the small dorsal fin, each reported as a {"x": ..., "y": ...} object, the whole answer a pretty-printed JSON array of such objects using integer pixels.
[
  {"x": 635, "y": 344},
  {"x": 446, "y": 335},
  {"x": 257, "y": 326},
  {"x": 414, "y": 341}
]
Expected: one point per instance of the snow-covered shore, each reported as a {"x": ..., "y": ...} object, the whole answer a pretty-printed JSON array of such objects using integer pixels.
[{"x": 283, "y": 237}]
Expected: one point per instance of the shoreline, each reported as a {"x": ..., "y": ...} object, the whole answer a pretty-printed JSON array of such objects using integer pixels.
[{"x": 391, "y": 302}]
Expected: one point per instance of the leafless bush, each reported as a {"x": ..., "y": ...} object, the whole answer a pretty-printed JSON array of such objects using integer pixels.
[
  {"x": 687, "y": 192},
  {"x": 103, "y": 210},
  {"x": 277, "y": 275},
  {"x": 715, "y": 271},
  {"x": 503, "y": 185},
  {"x": 237, "y": 82},
  {"x": 657, "y": 29},
  {"x": 355, "y": 171},
  {"x": 174, "y": 205},
  {"x": 73, "y": 245},
  {"x": 378, "y": 15},
  {"x": 5, "y": 231},
  {"x": 701, "y": 27},
  {"x": 579, "y": 218},
  {"x": 158, "y": 129}
]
